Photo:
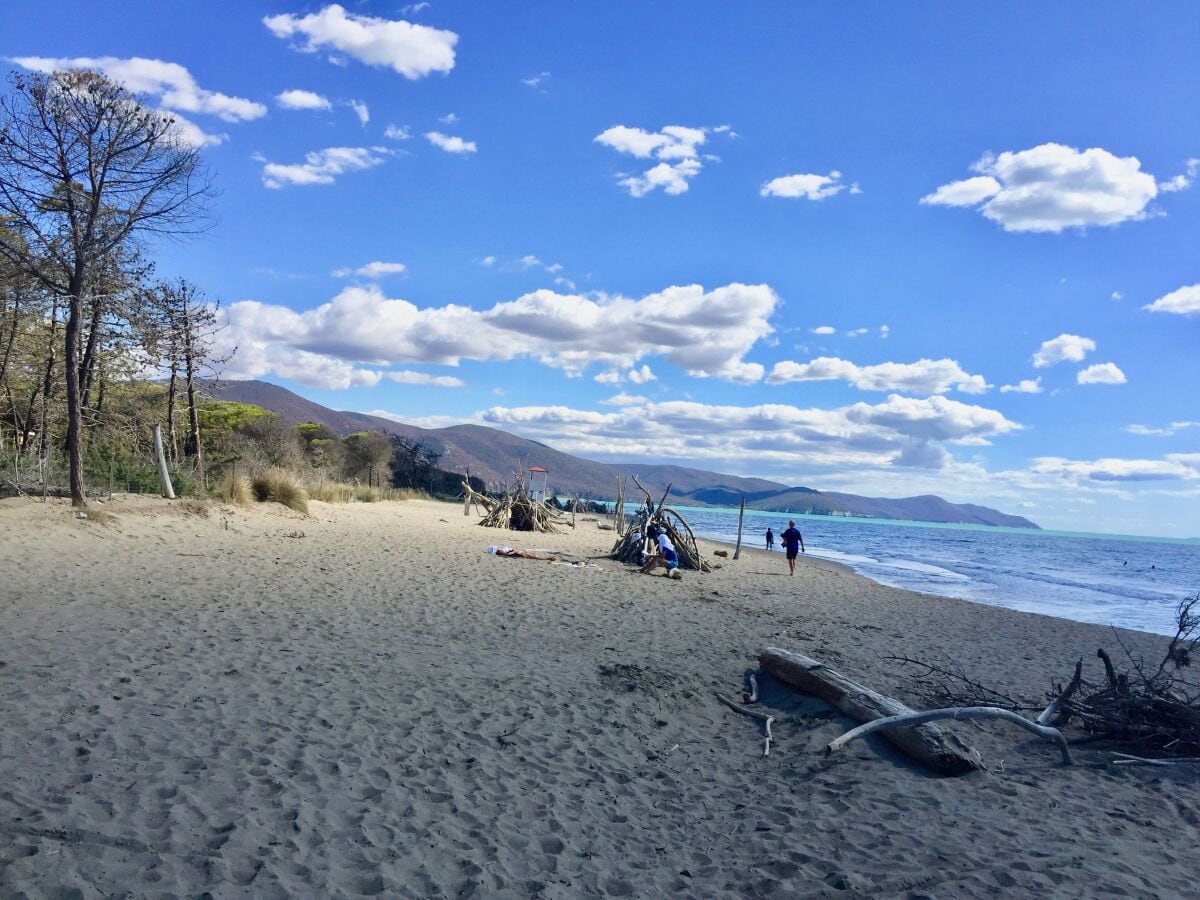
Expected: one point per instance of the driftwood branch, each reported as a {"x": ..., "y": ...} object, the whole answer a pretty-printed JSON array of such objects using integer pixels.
[
  {"x": 753, "y": 714},
  {"x": 958, "y": 713},
  {"x": 1052, "y": 711}
]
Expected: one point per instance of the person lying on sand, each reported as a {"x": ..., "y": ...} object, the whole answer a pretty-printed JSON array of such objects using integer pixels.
[{"x": 666, "y": 557}]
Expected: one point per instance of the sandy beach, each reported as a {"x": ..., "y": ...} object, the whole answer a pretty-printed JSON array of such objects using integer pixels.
[{"x": 211, "y": 701}]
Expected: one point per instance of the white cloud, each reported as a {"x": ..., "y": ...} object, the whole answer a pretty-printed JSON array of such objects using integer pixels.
[
  {"x": 857, "y": 332},
  {"x": 361, "y": 110},
  {"x": 300, "y": 99},
  {"x": 824, "y": 329},
  {"x": 808, "y": 187},
  {"x": 536, "y": 80},
  {"x": 323, "y": 166},
  {"x": 413, "y": 8},
  {"x": 609, "y": 378},
  {"x": 641, "y": 376},
  {"x": 449, "y": 119},
  {"x": 884, "y": 331},
  {"x": 450, "y": 144},
  {"x": 397, "y": 133},
  {"x": 169, "y": 84},
  {"x": 414, "y": 51},
  {"x": 1185, "y": 301},
  {"x": 1172, "y": 467},
  {"x": 1027, "y": 386},
  {"x": 373, "y": 270},
  {"x": 1168, "y": 431},
  {"x": 488, "y": 261},
  {"x": 1101, "y": 373},
  {"x": 409, "y": 377},
  {"x": 925, "y": 376},
  {"x": 192, "y": 134},
  {"x": 705, "y": 333},
  {"x": 1182, "y": 181},
  {"x": 1117, "y": 295},
  {"x": 898, "y": 432},
  {"x": 624, "y": 399},
  {"x": 675, "y": 145},
  {"x": 1052, "y": 187},
  {"x": 1064, "y": 348}
]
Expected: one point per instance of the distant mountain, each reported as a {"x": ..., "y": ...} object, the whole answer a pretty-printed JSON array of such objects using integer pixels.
[{"x": 495, "y": 456}]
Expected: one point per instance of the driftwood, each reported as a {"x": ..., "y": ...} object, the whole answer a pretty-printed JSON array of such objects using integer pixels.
[
  {"x": 753, "y": 714},
  {"x": 927, "y": 744},
  {"x": 517, "y": 510},
  {"x": 632, "y": 546},
  {"x": 1124, "y": 759},
  {"x": 958, "y": 713},
  {"x": 163, "y": 475}
]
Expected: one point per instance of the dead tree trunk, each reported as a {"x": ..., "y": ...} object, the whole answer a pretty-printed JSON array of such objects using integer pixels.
[
  {"x": 163, "y": 475},
  {"x": 927, "y": 744}
]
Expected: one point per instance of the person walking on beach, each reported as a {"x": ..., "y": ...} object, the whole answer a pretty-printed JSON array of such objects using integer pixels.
[
  {"x": 793, "y": 543},
  {"x": 770, "y": 539}
]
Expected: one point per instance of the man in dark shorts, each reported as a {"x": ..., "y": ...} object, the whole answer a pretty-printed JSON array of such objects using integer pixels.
[
  {"x": 793, "y": 543},
  {"x": 770, "y": 539}
]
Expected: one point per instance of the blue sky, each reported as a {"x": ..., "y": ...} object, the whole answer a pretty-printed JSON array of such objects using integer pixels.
[{"x": 886, "y": 248}]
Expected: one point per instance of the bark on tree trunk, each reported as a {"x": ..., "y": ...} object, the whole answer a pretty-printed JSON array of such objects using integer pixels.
[
  {"x": 927, "y": 744},
  {"x": 74, "y": 412},
  {"x": 189, "y": 359},
  {"x": 172, "y": 387}
]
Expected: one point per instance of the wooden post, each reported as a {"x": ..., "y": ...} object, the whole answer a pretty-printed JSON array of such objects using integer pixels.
[
  {"x": 112, "y": 467},
  {"x": 737, "y": 551},
  {"x": 467, "y": 494},
  {"x": 163, "y": 475}
]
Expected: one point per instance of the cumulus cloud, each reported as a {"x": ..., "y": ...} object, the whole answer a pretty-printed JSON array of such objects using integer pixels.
[
  {"x": 1064, "y": 348},
  {"x": 488, "y": 261},
  {"x": 1183, "y": 180},
  {"x": 898, "y": 432},
  {"x": 1185, "y": 301},
  {"x": 925, "y": 376},
  {"x": 1051, "y": 187},
  {"x": 409, "y": 377},
  {"x": 413, "y": 51},
  {"x": 1167, "y": 431},
  {"x": 1101, "y": 373},
  {"x": 641, "y": 376},
  {"x": 450, "y": 144},
  {"x": 824, "y": 329},
  {"x": 372, "y": 270},
  {"x": 300, "y": 99},
  {"x": 808, "y": 187},
  {"x": 449, "y": 118},
  {"x": 706, "y": 333},
  {"x": 1172, "y": 467},
  {"x": 168, "y": 84},
  {"x": 322, "y": 166},
  {"x": 1027, "y": 386},
  {"x": 397, "y": 133},
  {"x": 675, "y": 145}
]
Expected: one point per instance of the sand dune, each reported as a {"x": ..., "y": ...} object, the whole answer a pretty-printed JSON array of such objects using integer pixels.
[{"x": 364, "y": 702}]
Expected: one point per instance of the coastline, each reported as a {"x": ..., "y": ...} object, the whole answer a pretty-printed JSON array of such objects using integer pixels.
[{"x": 365, "y": 701}]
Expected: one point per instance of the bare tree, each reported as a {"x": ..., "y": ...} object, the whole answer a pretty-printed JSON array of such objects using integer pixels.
[{"x": 86, "y": 167}]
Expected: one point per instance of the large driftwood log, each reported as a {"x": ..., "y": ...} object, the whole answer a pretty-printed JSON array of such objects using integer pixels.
[{"x": 927, "y": 744}]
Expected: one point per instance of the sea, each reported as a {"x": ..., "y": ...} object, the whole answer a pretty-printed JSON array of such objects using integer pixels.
[{"x": 1131, "y": 582}]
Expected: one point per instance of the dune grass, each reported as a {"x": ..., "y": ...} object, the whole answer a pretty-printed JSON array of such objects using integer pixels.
[
  {"x": 280, "y": 486},
  {"x": 235, "y": 490}
]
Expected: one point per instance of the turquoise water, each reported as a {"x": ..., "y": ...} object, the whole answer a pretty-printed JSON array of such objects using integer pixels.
[{"x": 1125, "y": 580}]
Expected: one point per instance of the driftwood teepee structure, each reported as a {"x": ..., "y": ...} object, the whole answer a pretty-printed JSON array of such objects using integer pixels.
[{"x": 632, "y": 545}]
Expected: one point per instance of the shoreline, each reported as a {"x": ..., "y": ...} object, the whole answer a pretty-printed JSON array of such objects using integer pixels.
[{"x": 363, "y": 701}]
